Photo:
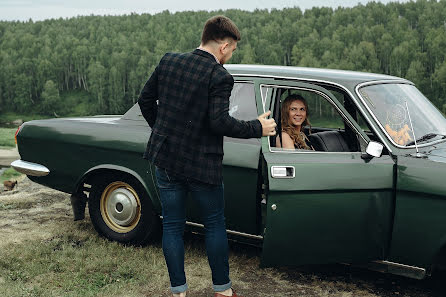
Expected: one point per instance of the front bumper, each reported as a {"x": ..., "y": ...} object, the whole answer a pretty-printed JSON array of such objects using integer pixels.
[{"x": 29, "y": 168}]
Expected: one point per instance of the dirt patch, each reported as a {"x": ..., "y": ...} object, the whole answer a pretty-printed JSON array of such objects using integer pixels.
[
  {"x": 33, "y": 213},
  {"x": 30, "y": 211},
  {"x": 7, "y": 155}
]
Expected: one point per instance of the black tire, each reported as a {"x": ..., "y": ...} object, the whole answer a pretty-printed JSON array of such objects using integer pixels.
[{"x": 121, "y": 210}]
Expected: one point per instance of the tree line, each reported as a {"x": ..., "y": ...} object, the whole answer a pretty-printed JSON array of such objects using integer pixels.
[{"x": 111, "y": 57}]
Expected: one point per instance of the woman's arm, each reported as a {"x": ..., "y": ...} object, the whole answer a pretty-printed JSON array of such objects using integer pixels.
[{"x": 287, "y": 142}]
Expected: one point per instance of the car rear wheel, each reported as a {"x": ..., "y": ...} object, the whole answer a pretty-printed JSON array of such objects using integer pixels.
[{"x": 121, "y": 210}]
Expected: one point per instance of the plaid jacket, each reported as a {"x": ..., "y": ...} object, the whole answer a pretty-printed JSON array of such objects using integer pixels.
[{"x": 191, "y": 116}]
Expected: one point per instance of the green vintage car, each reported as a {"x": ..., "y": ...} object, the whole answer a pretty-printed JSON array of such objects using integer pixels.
[{"x": 373, "y": 191}]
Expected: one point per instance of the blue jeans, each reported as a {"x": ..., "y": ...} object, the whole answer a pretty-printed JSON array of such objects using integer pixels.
[{"x": 173, "y": 193}]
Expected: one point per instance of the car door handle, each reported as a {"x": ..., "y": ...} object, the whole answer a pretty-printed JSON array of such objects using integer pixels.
[{"x": 283, "y": 172}]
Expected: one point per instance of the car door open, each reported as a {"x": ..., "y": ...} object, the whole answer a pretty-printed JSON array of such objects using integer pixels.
[{"x": 324, "y": 206}]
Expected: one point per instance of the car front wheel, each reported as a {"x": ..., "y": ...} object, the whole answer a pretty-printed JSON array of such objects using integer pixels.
[{"x": 121, "y": 210}]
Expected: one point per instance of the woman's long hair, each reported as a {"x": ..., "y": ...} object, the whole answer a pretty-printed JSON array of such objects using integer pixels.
[{"x": 287, "y": 125}]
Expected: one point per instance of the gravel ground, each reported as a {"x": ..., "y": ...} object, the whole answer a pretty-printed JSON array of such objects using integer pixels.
[{"x": 27, "y": 211}]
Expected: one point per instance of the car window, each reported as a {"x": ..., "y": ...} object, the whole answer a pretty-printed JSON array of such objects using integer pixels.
[
  {"x": 242, "y": 106},
  {"x": 134, "y": 113},
  {"x": 324, "y": 129},
  {"x": 352, "y": 109},
  {"x": 321, "y": 112},
  {"x": 242, "y": 103},
  {"x": 404, "y": 113},
  {"x": 350, "y": 106}
]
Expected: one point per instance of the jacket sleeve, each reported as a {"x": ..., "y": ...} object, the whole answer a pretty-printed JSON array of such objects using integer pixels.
[
  {"x": 148, "y": 99},
  {"x": 219, "y": 119}
]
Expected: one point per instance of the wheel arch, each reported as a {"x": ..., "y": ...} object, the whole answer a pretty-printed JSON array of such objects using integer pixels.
[{"x": 116, "y": 169}]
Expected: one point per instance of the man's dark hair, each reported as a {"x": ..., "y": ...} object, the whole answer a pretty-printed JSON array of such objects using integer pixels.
[{"x": 218, "y": 28}]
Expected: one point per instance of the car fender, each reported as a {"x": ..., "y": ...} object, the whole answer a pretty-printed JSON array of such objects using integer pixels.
[{"x": 112, "y": 167}]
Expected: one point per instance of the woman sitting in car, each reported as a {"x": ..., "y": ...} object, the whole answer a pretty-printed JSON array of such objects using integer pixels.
[{"x": 294, "y": 118}]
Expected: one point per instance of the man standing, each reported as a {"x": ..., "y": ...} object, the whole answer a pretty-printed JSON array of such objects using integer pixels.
[{"x": 186, "y": 103}]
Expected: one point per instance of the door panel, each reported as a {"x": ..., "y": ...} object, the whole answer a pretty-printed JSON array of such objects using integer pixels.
[
  {"x": 240, "y": 175},
  {"x": 338, "y": 208}
]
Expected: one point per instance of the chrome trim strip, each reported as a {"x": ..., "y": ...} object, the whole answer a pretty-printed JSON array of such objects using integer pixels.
[
  {"x": 402, "y": 269},
  {"x": 29, "y": 168},
  {"x": 264, "y": 96},
  {"x": 329, "y": 83},
  {"x": 400, "y": 265},
  {"x": 295, "y": 151},
  {"x": 402, "y": 81},
  {"x": 229, "y": 231}
]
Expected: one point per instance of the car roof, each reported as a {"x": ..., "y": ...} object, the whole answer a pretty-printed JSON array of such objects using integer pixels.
[{"x": 343, "y": 77}]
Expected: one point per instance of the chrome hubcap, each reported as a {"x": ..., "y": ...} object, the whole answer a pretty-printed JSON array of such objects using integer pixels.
[{"x": 120, "y": 207}]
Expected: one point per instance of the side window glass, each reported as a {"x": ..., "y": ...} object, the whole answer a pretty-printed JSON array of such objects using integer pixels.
[
  {"x": 355, "y": 113},
  {"x": 351, "y": 108},
  {"x": 320, "y": 112},
  {"x": 362, "y": 123},
  {"x": 242, "y": 103},
  {"x": 242, "y": 106},
  {"x": 309, "y": 121}
]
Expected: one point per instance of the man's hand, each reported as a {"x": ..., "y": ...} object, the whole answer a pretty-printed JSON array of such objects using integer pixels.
[{"x": 268, "y": 125}]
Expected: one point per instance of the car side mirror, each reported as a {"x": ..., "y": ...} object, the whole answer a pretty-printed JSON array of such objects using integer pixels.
[{"x": 374, "y": 149}]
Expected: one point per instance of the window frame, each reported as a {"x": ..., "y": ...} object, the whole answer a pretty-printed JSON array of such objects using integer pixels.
[{"x": 345, "y": 116}]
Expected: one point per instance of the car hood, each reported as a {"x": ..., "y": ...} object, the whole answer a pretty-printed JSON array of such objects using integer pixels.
[{"x": 437, "y": 152}]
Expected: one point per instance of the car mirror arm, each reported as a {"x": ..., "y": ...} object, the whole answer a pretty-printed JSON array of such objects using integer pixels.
[
  {"x": 374, "y": 149},
  {"x": 366, "y": 156}
]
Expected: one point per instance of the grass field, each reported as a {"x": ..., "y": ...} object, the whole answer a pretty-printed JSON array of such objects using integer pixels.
[
  {"x": 44, "y": 253},
  {"x": 77, "y": 262},
  {"x": 8, "y": 117},
  {"x": 7, "y": 137}
]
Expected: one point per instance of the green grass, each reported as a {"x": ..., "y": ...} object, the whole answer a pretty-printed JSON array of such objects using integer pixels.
[
  {"x": 7, "y": 137},
  {"x": 9, "y": 174},
  {"x": 8, "y": 117},
  {"x": 77, "y": 262}
]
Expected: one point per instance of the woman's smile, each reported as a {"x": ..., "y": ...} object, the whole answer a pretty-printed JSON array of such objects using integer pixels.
[{"x": 298, "y": 114}]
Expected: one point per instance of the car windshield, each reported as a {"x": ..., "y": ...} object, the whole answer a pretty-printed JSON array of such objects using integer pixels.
[{"x": 402, "y": 110}]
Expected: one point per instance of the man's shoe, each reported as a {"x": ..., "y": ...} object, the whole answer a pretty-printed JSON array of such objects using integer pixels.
[{"x": 233, "y": 294}]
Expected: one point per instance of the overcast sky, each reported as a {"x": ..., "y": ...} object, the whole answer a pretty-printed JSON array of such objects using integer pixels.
[{"x": 37, "y": 10}]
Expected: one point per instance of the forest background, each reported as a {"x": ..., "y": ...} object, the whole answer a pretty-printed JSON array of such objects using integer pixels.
[{"x": 98, "y": 64}]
